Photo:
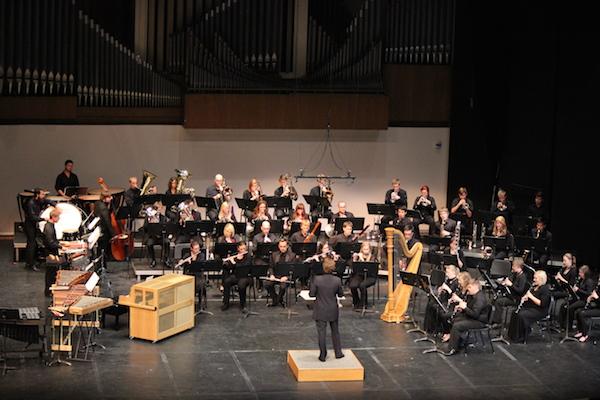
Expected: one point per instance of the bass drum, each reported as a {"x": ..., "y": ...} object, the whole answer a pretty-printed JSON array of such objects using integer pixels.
[{"x": 68, "y": 223}]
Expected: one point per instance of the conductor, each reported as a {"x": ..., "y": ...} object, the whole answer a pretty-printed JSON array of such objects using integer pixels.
[{"x": 325, "y": 288}]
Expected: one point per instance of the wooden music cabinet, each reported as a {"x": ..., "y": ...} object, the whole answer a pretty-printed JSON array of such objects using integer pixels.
[{"x": 160, "y": 307}]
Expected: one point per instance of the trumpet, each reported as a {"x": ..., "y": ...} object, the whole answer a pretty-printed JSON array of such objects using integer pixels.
[
  {"x": 537, "y": 234},
  {"x": 423, "y": 201}
]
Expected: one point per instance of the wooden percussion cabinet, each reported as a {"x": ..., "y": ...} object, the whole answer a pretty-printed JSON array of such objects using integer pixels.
[{"x": 160, "y": 307}]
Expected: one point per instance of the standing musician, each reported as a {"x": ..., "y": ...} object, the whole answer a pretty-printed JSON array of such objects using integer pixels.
[
  {"x": 133, "y": 192},
  {"x": 342, "y": 212},
  {"x": 462, "y": 205},
  {"x": 52, "y": 246},
  {"x": 285, "y": 189},
  {"x": 500, "y": 230},
  {"x": 254, "y": 193},
  {"x": 220, "y": 193},
  {"x": 228, "y": 234},
  {"x": 434, "y": 321},
  {"x": 583, "y": 288},
  {"x": 516, "y": 285},
  {"x": 33, "y": 210},
  {"x": 425, "y": 204},
  {"x": 503, "y": 207},
  {"x": 303, "y": 235},
  {"x": 396, "y": 195},
  {"x": 538, "y": 208},
  {"x": 102, "y": 209},
  {"x": 171, "y": 186},
  {"x": 225, "y": 214},
  {"x": 66, "y": 179},
  {"x": 472, "y": 313},
  {"x": 265, "y": 236},
  {"x": 321, "y": 190},
  {"x": 357, "y": 280},
  {"x": 540, "y": 232},
  {"x": 533, "y": 307},
  {"x": 153, "y": 216},
  {"x": 583, "y": 315},
  {"x": 455, "y": 250},
  {"x": 283, "y": 255},
  {"x": 325, "y": 288},
  {"x": 229, "y": 278},
  {"x": 197, "y": 255}
]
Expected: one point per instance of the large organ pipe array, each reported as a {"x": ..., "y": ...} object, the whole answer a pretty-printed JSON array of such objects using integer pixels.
[{"x": 50, "y": 47}]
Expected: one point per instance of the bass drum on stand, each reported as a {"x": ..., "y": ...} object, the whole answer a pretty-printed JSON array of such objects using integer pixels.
[{"x": 67, "y": 227}]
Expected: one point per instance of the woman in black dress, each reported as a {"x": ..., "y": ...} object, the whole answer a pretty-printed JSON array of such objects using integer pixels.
[{"x": 533, "y": 307}]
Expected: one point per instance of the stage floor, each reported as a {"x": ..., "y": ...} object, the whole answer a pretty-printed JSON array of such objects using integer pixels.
[{"x": 228, "y": 357}]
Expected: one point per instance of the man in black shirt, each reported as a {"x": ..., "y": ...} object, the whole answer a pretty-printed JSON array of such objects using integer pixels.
[
  {"x": 503, "y": 207},
  {"x": 52, "y": 246},
  {"x": 538, "y": 208},
  {"x": 132, "y": 193},
  {"x": 541, "y": 234},
  {"x": 285, "y": 189},
  {"x": 230, "y": 279},
  {"x": 102, "y": 210},
  {"x": 396, "y": 195},
  {"x": 66, "y": 179},
  {"x": 33, "y": 209},
  {"x": 516, "y": 285},
  {"x": 283, "y": 255}
]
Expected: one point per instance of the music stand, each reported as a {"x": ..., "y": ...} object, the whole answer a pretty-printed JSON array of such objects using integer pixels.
[
  {"x": 440, "y": 242},
  {"x": 381, "y": 209},
  {"x": 415, "y": 280},
  {"x": 206, "y": 202},
  {"x": 304, "y": 250},
  {"x": 571, "y": 295},
  {"x": 368, "y": 270},
  {"x": 148, "y": 199},
  {"x": 276, "y": 226},
  {"x": 195, "y": 228},
  {"x": 317, "y": 203},
  {"x": 450, "y": 259},
  {"x": 345, "y": 250},
  {"x": 485, "y": 217},
  {"x": 246, "y": 204},
  {"x": 531, "y": 244},
  {"x": 279, "y": 202},
  {"x": 239, "y": 228},
  {"x": 163, "y": 229},
  {"x": 225, "y": 249},
  {"x": 202, "y": 268},
  {"x": 496, "y": 242},
  {"x": 293, "y": 271},
  {"x": 170, "y": 200},
  {"x": 245, "y": 271},
  {"x": 264, "y": 250},
  {"x": 414, "y": 214},
  {"x": 357, "y": 223},
  {"x": 316, "y": 268}
]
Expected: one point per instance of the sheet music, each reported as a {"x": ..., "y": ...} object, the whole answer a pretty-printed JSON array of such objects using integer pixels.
[
  {"x": 92, "y": 282},
  {"x": 305, "y": 294}
]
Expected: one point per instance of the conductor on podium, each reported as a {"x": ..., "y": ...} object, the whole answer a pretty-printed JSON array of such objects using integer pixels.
[{"x": 325, "y": 288}]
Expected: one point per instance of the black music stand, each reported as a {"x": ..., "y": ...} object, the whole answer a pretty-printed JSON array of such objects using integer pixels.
[
  {"x": 415, "y": 280},
  {"x": 450, "y": 259},
  {"x": 170, "y": 200},
  {"x": 293, "y": 271},
  {"x": 381, "y": 209},
  {"x": 163, "y": 229},
  {"x": 496, "y": 243},
  {"x": 264, "y": 250},
  {"x": 436, "y": 259},
  {"x": 206, "y": 202},
  {"x": 414, "y": 214},
  {"x": 276, "y": 226},
  {"x": 245, "y": 271},
  {"x": 304, "y": 250},
  {"x": 316, "y": 268},
  {"x": 440, "y": 242},
  {"x": 239, "y": 228},
  {"x": 345, "y": 250},
  {"x": 148, "y": 199},
  {"x": 571, "y": 295},
  {"x": 317, "y": 203},
  {"x": 202, "y": 268},
  {"x": 485, "y": 217},
  {"x": 246, "y": 204},
  {"x": 368, "y": 270},
  {"x": 357, "y": 223},
  {"x": 279, "y": 202},
  {"x": 225, "y": 249},
  {"x": 196, "y": 228},
  {"x": 532, "y": 245}
]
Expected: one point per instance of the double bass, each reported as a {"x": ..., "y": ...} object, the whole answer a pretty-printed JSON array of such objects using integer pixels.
[{"x": 122, "y": 236}]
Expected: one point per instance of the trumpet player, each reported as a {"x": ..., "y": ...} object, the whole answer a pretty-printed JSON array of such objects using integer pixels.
[
  {"x": 504, "y": 206},
  {"x": 285, "y": 189},
  {"x": 462, "y": 204},
  {"x": 533, "y": 307},
  {"x": 186, "y": 214},
  {"x": 322, "y": 189},
  {"x": 541, "y": 233},
  {"x": 253, "y": 193},
  {"x": 425, "y": 204},
  {"x": 220, "y": 192},
  {"x": 538, "y": 208},
  {"x": 396, "y": 195}
]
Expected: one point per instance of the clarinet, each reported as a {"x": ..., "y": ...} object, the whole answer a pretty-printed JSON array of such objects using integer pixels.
[
  {"x": 588, "y": 302},
  {"x": 522, "y": 301},
  {"x": 454, "y": 312}
]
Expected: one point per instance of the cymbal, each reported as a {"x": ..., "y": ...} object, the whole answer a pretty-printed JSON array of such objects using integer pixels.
[
  {"x": 89, "y": 197},
  {"x": 58, "y": 198},
  {"x": 110, "y": 190}
]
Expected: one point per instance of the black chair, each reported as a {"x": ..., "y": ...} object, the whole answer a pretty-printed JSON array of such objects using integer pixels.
[
  {"x": 594, "y": 329},
  {"x": 546, "y": 323},
  {"x": 478, "y": 333}
]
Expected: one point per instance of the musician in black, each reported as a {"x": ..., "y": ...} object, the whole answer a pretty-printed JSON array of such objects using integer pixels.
[
  {"x": 456, "y": 296},
  {"x": 471, "y": 314},
  {"x": 326, "y": 288},
  {"x": 216, "y": 192},
  {"x": 425, "y": 204},
  {"x": 590, "y": 310},
  {"x": 283, "y": 255},
  {"x": 342, "y": 212},
  {"x": 446, "y": 226},
  {"x": 409, "y": 235},
  {"x": 196, "y": 254},
  {"x": 402, "y": 219},
  {"x": 566, "y": 276},
  {"x": 52, "y": 246},
  {"x": 462, "y": 204},
  {"x": 152, "y": 237},
  {"x": 229, "y": 235},
  {"x": 504, "y": 206},
  {"x": 434, "y": 321},
  {"x": 512, "y": 288},
  {"x": 265, "y": 236},
  {"x": 253, "y": 193},
  {"x": 303, "y": 235},
  {"x": 535, "y": 303},
  {"x": 344, "y": 237},
  {"x": 500, "y": 230},
  {"x": 285, "y": 189},
  {"x": 321, "y": 190},
  {"x": 396, "y": 195},
  {"x": 242, "y": 258},
  {"x": 538, "y": 208},
  {"x": 583, "y": 288},
  {"x": 102, "y": 209},
  {"x": 132, "y": 192},
  {"x": 66, "y": 179},
  {"x": 455, "y": 250},
  {"x": 33, "y": 210},
  {"x": 358, "y": 283},
  {"x": 541, "y": 233}
]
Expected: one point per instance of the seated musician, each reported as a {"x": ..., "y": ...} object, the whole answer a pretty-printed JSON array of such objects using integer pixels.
[
  {"x": 434, "y": 321},
  {"x": 566, "y": 276},
  {"x": 462, "y": 204},
  {"x": 471, "y": 313},
  {"x": 253, "y": 193},
  {"x": 217, "y": 192},
  {"x": 261, "y": 212},
  {"x": 285, "y": 189},
  {"x": 500, "y": 230},
  {"x": 265, "y": 236},
  {"x": 344, "y": 237},
  {"x": 230, "y": 279},
  {"x": 299, "y": 214},
  {"x": 504, "y": 206},
  {"x": 516, "y": 285},
  {"x": 225, "y": 213},
  {"x": 357, "y": 280},
  {"x": 533, "y": 307},
  {"x": 33, "y": 210},
  {"x": 195, "y": 254},
  {"x": 323, "y": 251},
  {"x": 583, "y": 315},
  {"x": 303, "y": 235},
  {"x": 446, "y": 226},
  {"x": 538, "y": 208},
  {"x": 132, "y": 193},
  {"x": 396, "y": 195},
  {"x": 583, "y": 288},
  {"x": 229, "y": 235},
  {"x": 458, "y": 295},
  {"x": 321, "y": 190},
  {"x": 425, "y": 204},
  {"x": 401, "y": 220},
  {"x": 540, "y": 232},
  {"x": 342, "y": 212},
  {"x": 283, "y": 255},
  {"x": 455, "y": 250},
  {"x": 102, "y": 209},
  {"x": 186, "y": 214},
  {"x": 153, "y": 216}
]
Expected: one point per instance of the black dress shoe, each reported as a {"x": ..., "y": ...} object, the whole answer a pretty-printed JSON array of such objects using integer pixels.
[
  {"x": 282, "y": 304},
  {"x": 34, "y": 268},
  {"x": 340, "y": 355},
  {"x": 449, "y": 353},
  {"x": 224, "y": 307},
  {"x": 272, "y": 305},
  {"x": 322, "y": 358}
]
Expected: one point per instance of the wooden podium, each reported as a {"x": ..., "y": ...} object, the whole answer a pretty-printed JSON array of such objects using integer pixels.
[
  {"x": 306, "y": 367},
  {"x": 160, "y": 307}
]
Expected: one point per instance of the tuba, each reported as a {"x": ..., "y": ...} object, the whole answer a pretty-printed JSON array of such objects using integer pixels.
[
  {"x": 182, "y": 175},
  {"x": 147, "y": 179}
]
